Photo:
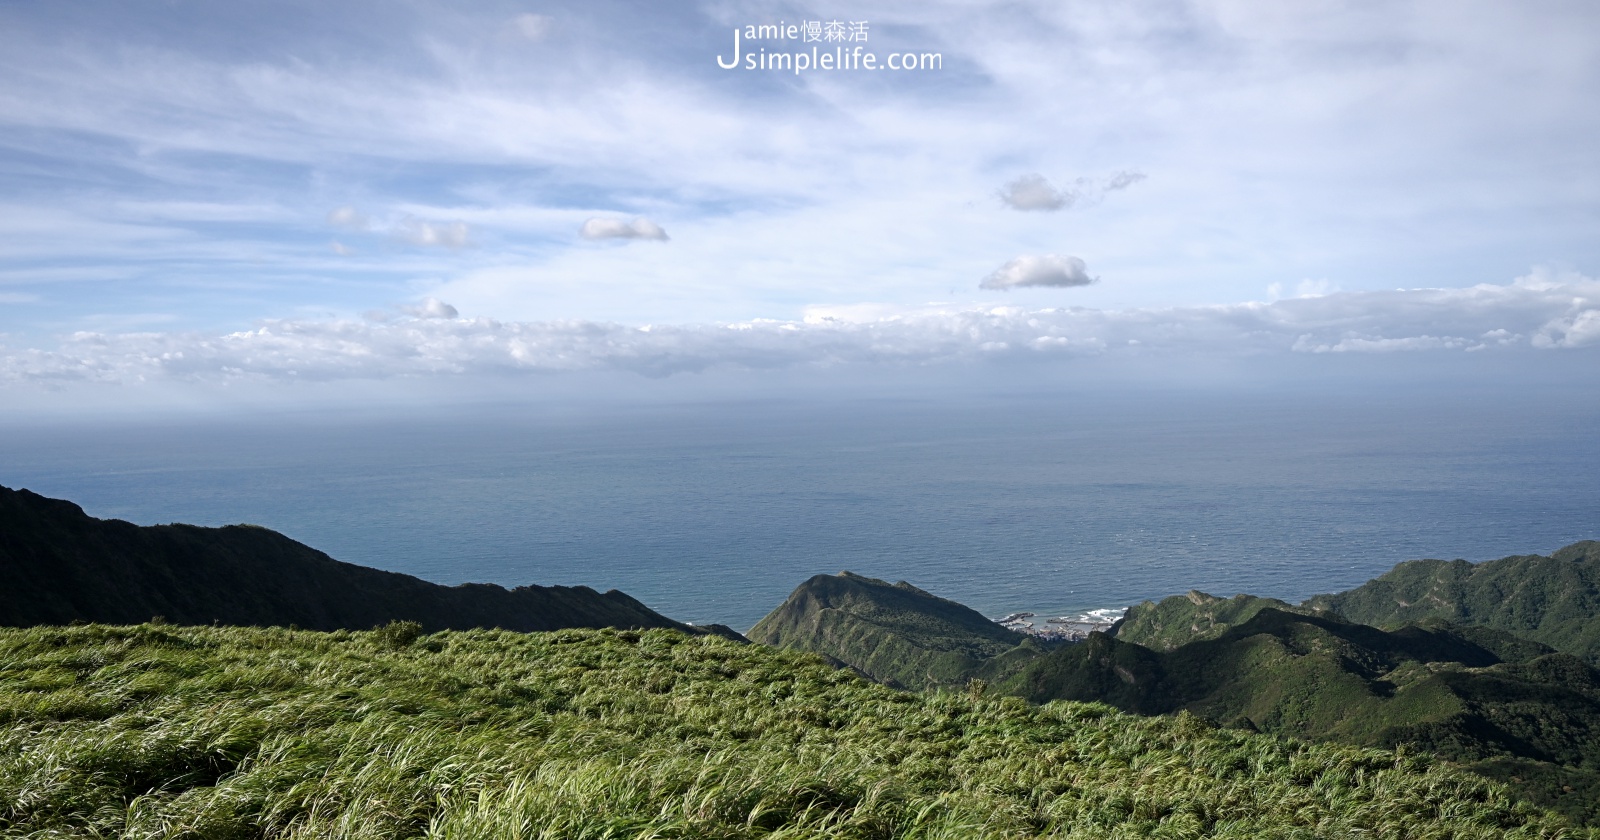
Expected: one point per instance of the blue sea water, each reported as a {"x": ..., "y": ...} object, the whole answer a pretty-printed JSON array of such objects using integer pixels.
[{"x": 714, "y": 512}]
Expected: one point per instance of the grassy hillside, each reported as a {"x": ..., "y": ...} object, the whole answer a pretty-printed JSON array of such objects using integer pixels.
[
  {"x": 216, "y": 733},
  {"x": 1181, "y": 619},
  {"x": 61, "y": 565},
  {"x": 895, "y": 633},
  {"x": 1554, "y": 600},
  {"x": 1506, "y": 707}
]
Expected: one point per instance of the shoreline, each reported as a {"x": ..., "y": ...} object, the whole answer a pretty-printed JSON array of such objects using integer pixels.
[{"x": 1071, "y": 627}]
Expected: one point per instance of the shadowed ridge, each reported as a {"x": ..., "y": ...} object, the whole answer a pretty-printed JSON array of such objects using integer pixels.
[{"x": 62, "y": 565}]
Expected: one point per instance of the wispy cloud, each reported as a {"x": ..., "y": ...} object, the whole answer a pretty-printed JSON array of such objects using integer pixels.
[
  {"x": 442, "y": 234},
  {"x": 1035, "y": 192},
  {"x": 531, "y": 26},
  {"x": 1123, "y": 180},
  {"x": 348, "y": 218},
  {"x": 206, "y": 153},
  {"x": 408, "y": 229}
]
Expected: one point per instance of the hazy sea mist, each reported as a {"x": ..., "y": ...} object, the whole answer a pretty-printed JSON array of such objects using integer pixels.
[{"x": 715, "y": 511}]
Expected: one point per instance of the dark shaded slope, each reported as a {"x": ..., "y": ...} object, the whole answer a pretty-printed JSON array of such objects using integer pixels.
[
  {"x": 895, "y": 633},
  {"x": 61, "y": 565},
  {"x": 1554, "y": 600}
]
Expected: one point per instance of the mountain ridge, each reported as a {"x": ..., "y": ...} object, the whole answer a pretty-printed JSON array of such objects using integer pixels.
[
  {"x": 1552, "y": 599},
  {"x": 894, "y": 633},
  {"x": 64, "y": 566}
]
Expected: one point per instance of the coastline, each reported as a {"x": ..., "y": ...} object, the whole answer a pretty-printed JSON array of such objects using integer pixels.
[{"x": 1066, "y": 627}]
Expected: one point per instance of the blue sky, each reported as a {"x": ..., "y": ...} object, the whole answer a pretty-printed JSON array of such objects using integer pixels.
[{"x": 202, "y": 195}]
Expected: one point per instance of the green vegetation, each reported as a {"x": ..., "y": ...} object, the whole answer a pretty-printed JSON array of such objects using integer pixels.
[
  {"x": 896, "y": 633},
  {"x": 199, "y": 732},
  {"x": 1509, "y": 708},
  {"x": 1181, "y": 619},
  {"x": 1505, "y": 707},
  {"x": 61, "y": 565},
  {"x": 1554, "y": 600}
]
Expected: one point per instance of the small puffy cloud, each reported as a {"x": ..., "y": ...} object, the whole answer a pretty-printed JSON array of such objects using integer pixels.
[
  {"x": 1033, "y": 192},
  {"x": 340, "y": 248},
  {"x": 1047, "y": 270},
  {"x": 348, "y": 218},
  {"x": 444, "y": 234},
  {"x": 433, "y": 308},
  {"x": 618, "y": 229},
  {"x": 531, "y": 26},
  {"x": 1123, "y": 180}
]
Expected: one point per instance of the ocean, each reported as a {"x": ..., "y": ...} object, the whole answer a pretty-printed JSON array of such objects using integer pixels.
[{"x": 715, "y": 511}]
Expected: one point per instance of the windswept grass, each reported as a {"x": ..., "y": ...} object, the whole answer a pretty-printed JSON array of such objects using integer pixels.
[{"x": 217, "y": 733}]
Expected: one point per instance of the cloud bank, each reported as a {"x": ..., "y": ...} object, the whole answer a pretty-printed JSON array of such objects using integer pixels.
[{"x": 1540, "y": 312}]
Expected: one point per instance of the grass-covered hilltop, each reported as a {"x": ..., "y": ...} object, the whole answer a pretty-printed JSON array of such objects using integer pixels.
[
  {"x": 1469, "y": 690},
  {"x": 864, "y": 710},
  {"x": 200, "y": 732},
  {"x": 896, "y": 634}
]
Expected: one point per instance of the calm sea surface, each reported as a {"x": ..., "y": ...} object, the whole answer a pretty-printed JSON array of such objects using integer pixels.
[{"x": 715, "y": 512}]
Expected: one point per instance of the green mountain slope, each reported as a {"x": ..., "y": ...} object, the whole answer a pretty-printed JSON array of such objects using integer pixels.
[
  {"x": 1509, "y": 708},
  {"x": 894, "y": 633},
  {"x": 201, "y": 732},
  {"x": 1554, "y": 600},
  {"x": 1181, "y": 619},
  {"x": 61, "y": 565}
]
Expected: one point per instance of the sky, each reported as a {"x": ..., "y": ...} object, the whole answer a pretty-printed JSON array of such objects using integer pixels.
[{"x": 201, "y": 199}]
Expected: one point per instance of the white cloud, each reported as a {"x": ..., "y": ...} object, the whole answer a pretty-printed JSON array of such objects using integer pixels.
[
  {"x": 618, "y": 229},
  {"x": 1579, "y": 329},
  {"x": 1560, "y": 312},
  {"x": 1046, "y": 270},
  {"x": 1033, "y": 192}
]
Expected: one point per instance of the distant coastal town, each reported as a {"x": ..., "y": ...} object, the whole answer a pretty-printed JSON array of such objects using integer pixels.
[{"x": 1067, "y": 628}]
